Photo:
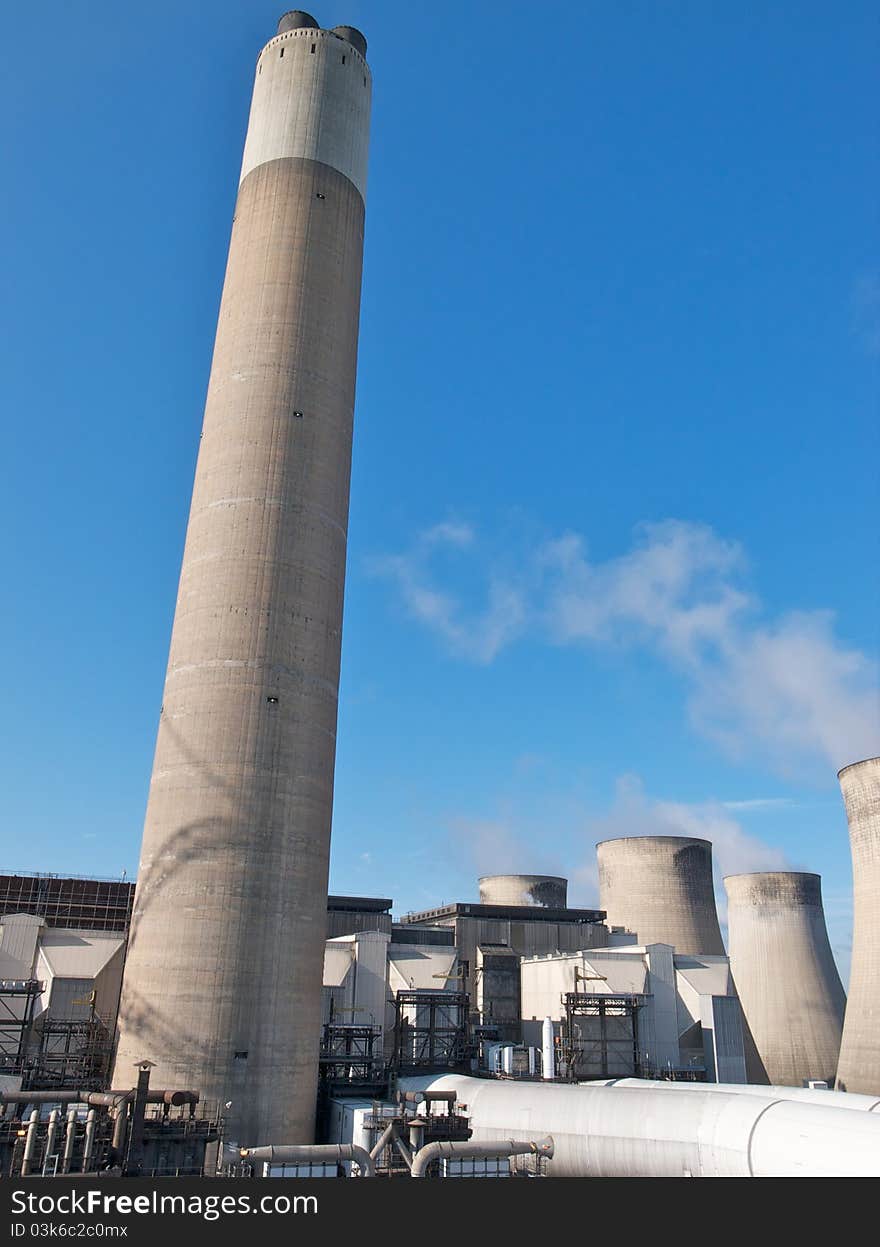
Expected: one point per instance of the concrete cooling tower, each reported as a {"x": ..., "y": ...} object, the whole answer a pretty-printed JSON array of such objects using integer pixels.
[
  {"x": 545, "y": 891},
  {"x": 859, "y": 1065},
  {"x": 785, "y": 975},
  {"x": 222, "y": 985},
  {"x": 660, "y": 889}
]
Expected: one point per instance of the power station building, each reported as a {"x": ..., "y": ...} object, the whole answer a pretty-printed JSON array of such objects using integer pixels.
[
  {"x": 236, "y": 840},
  {"x": 473, "y": 985},
  {"x": 261, "y": 999}
]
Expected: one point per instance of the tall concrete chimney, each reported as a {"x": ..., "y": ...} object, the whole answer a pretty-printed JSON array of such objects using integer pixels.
[
  {"x": 660, "y": 888},
  {"x": 785, "y": 975},
  {"x": 222, "y": 984},
  {"x": 859, "y": 1066}
]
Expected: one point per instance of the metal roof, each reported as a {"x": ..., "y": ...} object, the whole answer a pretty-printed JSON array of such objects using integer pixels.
[
  {"x": 517, "y": 913},
  {"x": 360, "y": 904}
]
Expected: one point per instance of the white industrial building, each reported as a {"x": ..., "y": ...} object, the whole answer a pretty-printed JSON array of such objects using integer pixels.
[
  {"x": 617, "y": 1010},
  {"x": 59, "y": 993},
  {"x": 640, "y": 1008}
]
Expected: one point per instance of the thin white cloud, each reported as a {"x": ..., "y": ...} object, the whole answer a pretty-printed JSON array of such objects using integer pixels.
[
  {"x": 866, "y": 312},
  {"x": 760, "y": 804},
  {"x": 494, "y": 846},
  {"x": 448, "y": 533},
  {"x": 786, "y": 688},
  {"x": 476, "y": 635}
]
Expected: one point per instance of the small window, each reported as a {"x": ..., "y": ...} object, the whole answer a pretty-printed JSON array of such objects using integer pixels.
[
  {"x": 282, "y": 51},
  {"x": 318, "y": 195},
  {"x": 313, "y": 47},
  {"x": 273, "y": 701},
  {"x": 241, "y": 1055},
  {"x": 298, "y": 414},
  {"x": 343, "y": 60}
]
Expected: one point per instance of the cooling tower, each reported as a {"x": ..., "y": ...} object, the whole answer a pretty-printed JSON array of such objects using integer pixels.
[
  {"x": 545, "y": 891},
  {"x": 222, "y": 983},
  {"x": 660, "y": 889},
  {"x": 859, "y": 1065},
  {"x": 785, "y": 975}
]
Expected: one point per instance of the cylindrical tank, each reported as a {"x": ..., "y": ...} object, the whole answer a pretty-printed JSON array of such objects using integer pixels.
[
  {"x": 859, "y": 1065},
  {"x": 807, "y": 1095},
  {"x": 785, "y": 975},
  {"x": 222, "y": 982},
  {"x": 660, "y": 888},
  {"x": 543, "y": 891},
  {"x": 631, "y": 1132}
]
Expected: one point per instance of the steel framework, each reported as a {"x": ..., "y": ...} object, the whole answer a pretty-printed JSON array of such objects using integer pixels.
[
  {"x": 18, "y": 998},
  {"x": 588, "y": 1050},
  {"x": 430, "y": 1030}
]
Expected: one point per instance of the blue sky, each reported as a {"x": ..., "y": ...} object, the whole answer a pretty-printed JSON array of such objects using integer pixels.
[{"x": 613, "y": 538}]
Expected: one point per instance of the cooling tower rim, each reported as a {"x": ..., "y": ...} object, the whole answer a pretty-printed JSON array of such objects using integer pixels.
[
  {"x": 650, "y": 839},
  {"x": 772, "y": 874},
  {"x": 849, "y": 766},
  {"x": 522, "y": 875}
]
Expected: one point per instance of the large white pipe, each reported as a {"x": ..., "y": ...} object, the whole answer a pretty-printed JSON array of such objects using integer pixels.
[
  {"x": 622, "y": 1132},
  {"x": 315, "y": 1153},
  {"x": 50, "y": 1137},
  {"x": 30, "y": 1142},
  {"x": 807, "y": 1095},
  {"x": 69, "y": 1141},
  {"x": 548, "y": 1054},
  {"x": 477, "y": 1151}
]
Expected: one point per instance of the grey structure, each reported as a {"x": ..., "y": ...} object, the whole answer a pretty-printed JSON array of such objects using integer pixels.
[
  {"x": 548, "y": 891},
  {"x": 523, "y": 927},
  {"x": 859, "y": 1065},
  {"x": 785, "y": 975},
  {"x": 223, "y": 979},
  {"x": 348, "y": 914},
  {"x": 660, "y": 889}
]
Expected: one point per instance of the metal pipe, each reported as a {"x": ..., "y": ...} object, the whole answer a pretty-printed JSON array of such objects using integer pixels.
[
  {"x": 383, "y": 1141},
  {"x": 50, "y": 1135},
  {"x": 120, "y": 1124},
  {"x": 69, "y": 1141},
  {"x": 417, "y": 1133},
  {"x": 90, "y": 1138},
  {"x": 30, "y": 1142},
  {"x": 304, "y": 1154},
  {"x": 479, "y": 1151},
  {"x": 430, "y": 1094},
  {"x": 97, "y": 1099}
]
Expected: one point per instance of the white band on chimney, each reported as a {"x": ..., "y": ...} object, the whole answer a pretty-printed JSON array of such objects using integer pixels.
[{"x": 312, "y": 105}]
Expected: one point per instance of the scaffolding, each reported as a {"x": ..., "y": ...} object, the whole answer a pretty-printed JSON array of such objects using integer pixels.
[
  {"x": 77, "y": 901},
  {"x": 18, "y": 999},
  {"x": 70, "y": 1053},
  {"x": 347, "y": 1052},
  {"x": 600, "y": 1036}
]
